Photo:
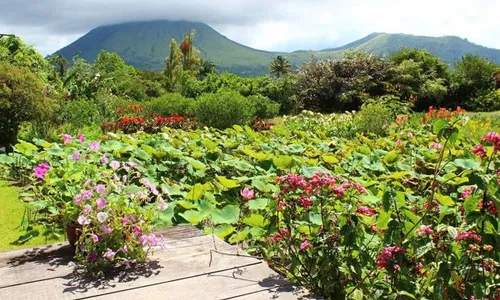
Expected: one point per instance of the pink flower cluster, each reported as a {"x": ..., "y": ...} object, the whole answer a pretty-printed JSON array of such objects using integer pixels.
[
  {"x": 41, "y": 170},
  {"x": 247, "y": 194},
  {"x": 437, "y": 146},
  {"x": 479, "y": 151},
  {"x": 385, "y": 257},
  {"x": 490, "y": 206},
  {"x": 152, "y": 240},
  {"x": 425, "y": 230},
  {"x": 314, "y": 185},
  {"x": 365, "y": 210},
  {"x": 467, "y": 192},
  {"x": 468, "y": 235},
  {"x": 305, "y": 244}
]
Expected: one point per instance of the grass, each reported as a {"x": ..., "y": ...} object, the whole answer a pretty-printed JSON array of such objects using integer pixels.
[{"x": 12, "y": 233}]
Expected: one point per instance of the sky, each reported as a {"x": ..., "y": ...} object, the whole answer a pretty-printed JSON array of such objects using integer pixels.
[{"x": 284, "y": 25}]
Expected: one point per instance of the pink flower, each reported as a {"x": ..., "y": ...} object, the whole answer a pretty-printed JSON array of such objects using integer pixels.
[
  {"x": 78, "y": 200},
  {"x": 367, "y": 211},
  {"x": 106, "y": 229},
  {"x": 81, "y": 137},
  {"x": 425, "y": 230},
  {"x": 144, "y": 239},
  {"x": 104, "y": 160},
  {"x": 95, "y": 146},
  {"x": 86, "y": 209},
  {"x": 410, "y": 135},
  {"x": 124, "y": 221},
  {"x": 102, "y": 216},
  {"x": 137, "y": 230},
  {"x": 66, "y": 138},
  {"x": 87, "y": 183},
  {"x": 101, "y": 203},
  {"x": 92, "y": 256},
  {"x": 276, "y": 237},
  {"x": 124, "y": 249},
  {"x": 467, "y": 192},
  {"x": 305, "y": 202},
  {"x": 468, "y": 235},
  {"x": 100, "y": 188},
  {"x": 96, "y": 238},
  {"x": 109, "y": 254},
  {"x": 76, "y": 156},
  {"x": 86, "y": 195},
  {"x": 41, "y": 170},
  {"x": 247, "y": 193},
  {"x": 437, "y": 146},
  {"x": 386, "y": 254},
  {"x": 284, "y": 231},
  {"x": 492, "y": 137},
  {"x": 399, "y": 143},
  {"x": 280, "y": 206},
  {"x": 305, "y": 244},
  {"x": 418, "y": 269},
  {"x": 162, "y": 205},
  {"x": 82, "y": 220},
  {"x": 114, "y": 165},
  {"x": 396, "y": 268},
  {"x": 479, "y": 151}
]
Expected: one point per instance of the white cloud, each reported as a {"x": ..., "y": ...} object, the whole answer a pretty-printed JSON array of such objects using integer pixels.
[{"x": 264, "y": 24}]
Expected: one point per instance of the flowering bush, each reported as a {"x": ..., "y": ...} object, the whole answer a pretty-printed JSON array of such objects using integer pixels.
[{"x": 150, "y": 125}]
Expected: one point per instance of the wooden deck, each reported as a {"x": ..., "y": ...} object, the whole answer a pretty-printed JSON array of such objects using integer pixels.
[{"x": 188, "y": 269}]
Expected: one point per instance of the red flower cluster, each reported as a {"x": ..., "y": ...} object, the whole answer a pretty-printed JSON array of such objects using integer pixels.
[
  {"x": 365, "y": 210},
  {"x": 135, "y": 120},
  {"x": 494, "y": 139},
  {"x": 442, "y": 113},
  {"x": 259, "y": 125},
  {"x": 173, "y": 121},
  {"x": 468, "y": 235},
  {"x": 385, "y": 257}
]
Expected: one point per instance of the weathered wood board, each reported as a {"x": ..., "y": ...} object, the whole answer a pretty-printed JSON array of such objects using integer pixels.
[{"x": 187, "y": 269}]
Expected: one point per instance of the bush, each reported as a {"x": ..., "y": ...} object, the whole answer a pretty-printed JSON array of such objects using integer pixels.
[
  {"x": 169, "y": 104},
  {"x": 376, "y": 115},
  {"x": 223, "y": 109},
  {"x": 487, "y": 102},
  {"x": 265, "y": 108},
  {"x": 22, "y": 99},
  {"x": 81, "y": 112}
]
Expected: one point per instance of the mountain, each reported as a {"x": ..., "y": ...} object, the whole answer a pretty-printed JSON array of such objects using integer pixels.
[
  {"x": 448, "y": 48},
  {"x": 146, "y": 44}
]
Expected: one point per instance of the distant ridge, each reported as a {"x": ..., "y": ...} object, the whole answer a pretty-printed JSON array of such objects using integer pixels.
[{"x": 146, "y": 44}]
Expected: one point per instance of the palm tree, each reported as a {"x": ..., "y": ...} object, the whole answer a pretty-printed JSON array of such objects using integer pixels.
[
  {"x": 279, "y": 66},
  {"x": 207, "y": 66}
]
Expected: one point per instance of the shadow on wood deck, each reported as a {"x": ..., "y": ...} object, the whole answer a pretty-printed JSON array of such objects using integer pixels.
[{"x": 188, "y": 269}]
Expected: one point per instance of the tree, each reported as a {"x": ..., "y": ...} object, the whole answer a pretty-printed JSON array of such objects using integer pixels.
[
  {"x": 473, "y": 77},
  {"x": 190, "y": 55},
  {"x": 207, "y": 66},
  {"x": 174, "y": 67},
  {"x": 279, "y": 66},
  {"x": 22, "y": 98},
  {"x": 421, "y": 75},
  {"x": 60, "y": 64},
  {"x": 108, "y": 62}
]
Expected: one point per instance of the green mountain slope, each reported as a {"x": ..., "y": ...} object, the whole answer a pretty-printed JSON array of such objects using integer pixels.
[
  {"x": 448, "y": 48},
  {"x": 145, "y": 45}
]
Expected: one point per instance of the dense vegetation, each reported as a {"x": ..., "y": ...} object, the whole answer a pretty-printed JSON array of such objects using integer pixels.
[
  {"x": 145, "y": 45},
  {"x": 380, "y": 202}
]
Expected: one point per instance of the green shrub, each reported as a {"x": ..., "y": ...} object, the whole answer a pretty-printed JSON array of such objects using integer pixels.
[
  {"x": 487, "y": 102},
  {"x": 265, "y": 108},
  {"x": 223, "y": 109},
  {"x": 81, "y": 112},
  {"x": 172, "y": 103},
  {"x": 376, "y": 114},
  {"x": 22, "y": 98}
]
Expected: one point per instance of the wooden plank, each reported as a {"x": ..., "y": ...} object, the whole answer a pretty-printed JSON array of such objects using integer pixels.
[{"x": 187, "y": 266}]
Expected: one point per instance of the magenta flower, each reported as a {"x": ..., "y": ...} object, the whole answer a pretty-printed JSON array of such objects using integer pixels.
[
  {"x": 124, "y": 221},
  {"x": 305, "y": 202},
  {"x": 247, "y": 193},
  {"x": 86, "y": 209},
  {"x": 396, "y": 268},
  {"x": 305, "y": 244},
  {"x": 492, "y": 137},
  {"x": 114, "y": 165},
  {"x": 92, "y": 256},
  {"x": 109, "y": 254},
  {"x": 78, "y": 200},
  {"x": 467, "y": 192},
  {"x": 82, "y": 220},
  {"x": 468, "y": 235},
  {"x": 143, "y": 239},
  {"x": 137, "y": 230},
  {"x": 106, "y": 229},
  {"x": 101, "y": 203},
  {"x": 87, "y": 183},
  {"x": 76, "y": 156},
  {"x": 95, "y": 146},
  {"x": 124, "y": 249},
  {"x": 81, "y": 137},
  {"x": 425, "y": 230},
  {"x": 102, "y": 216},
  {"x": 66, "y": 138},
  {"x": 365, "y": 210},
  {"x": 41, "y": 170},
  {"x": 104, "y": 160},
  {"x": 385, "y": 256},
  {"x": 479, "y": 151}
]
